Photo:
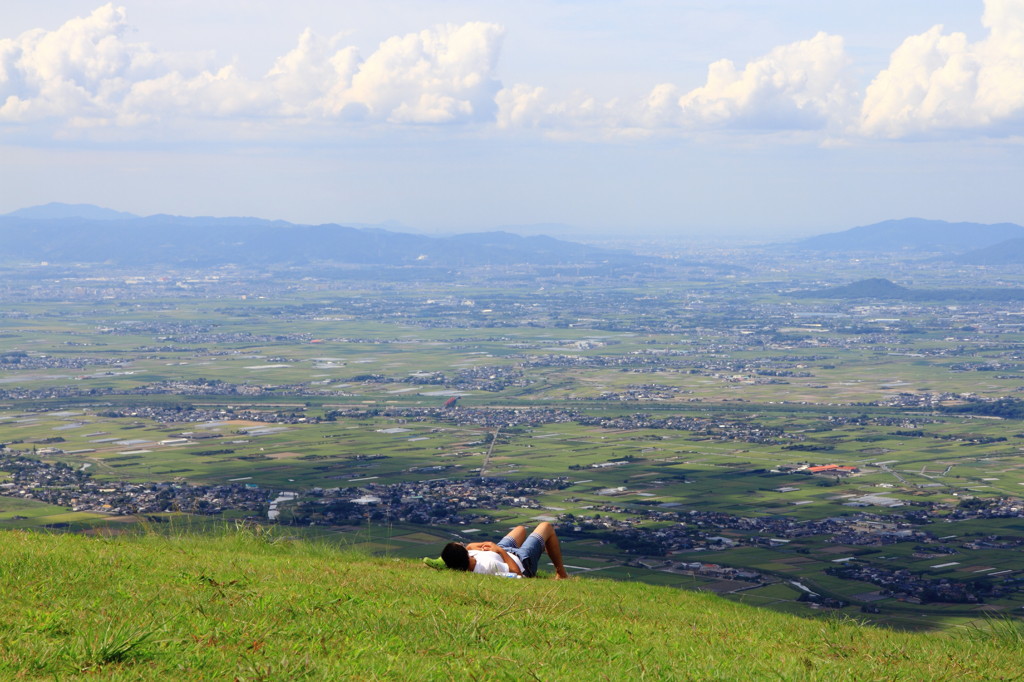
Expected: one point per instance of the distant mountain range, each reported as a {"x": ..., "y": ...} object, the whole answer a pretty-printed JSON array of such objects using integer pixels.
[
  {"x": 58, "y": 211},
  {"x": 65, "y": 233},
  {"x": 83, "y": 233},
  {"x": 918, "y": 235}
]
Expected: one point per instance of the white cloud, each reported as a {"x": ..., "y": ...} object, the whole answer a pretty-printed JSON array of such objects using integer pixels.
[
  {"x": 936, "y": 81},
  {"x": 441, "y": 75},
  {"x": 801, "y": 86},
  {"x": 796, "y": 86},
  {"x": 521, "y": 106},
  {"x": 299, "y": 77},
  {"x": 529, "y": 107},
  {"x": 222, "y": 94},
  {"x": 86, "y": 74},
  {"x": 80, "y": 69},
  {"x": 661, "y": 107}
]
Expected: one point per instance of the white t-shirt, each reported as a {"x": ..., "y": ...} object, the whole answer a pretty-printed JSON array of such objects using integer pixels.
[{"x": 491, "y": 563}]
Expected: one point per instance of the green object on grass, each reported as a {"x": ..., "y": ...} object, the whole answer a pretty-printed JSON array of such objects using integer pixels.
[{"x": 434, "y": 563}]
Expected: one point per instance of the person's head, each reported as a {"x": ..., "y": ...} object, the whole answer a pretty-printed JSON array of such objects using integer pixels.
[{"x": 455, "y": 556}]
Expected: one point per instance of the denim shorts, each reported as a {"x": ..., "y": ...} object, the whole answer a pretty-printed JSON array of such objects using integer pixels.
[{"x": 529, "y": 553}]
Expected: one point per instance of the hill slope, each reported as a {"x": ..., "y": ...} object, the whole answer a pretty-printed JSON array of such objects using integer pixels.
[
  {"x": 865, "y": 288},
  {"x": 241, "y": 607},
  {"x": 883, "y": 289},
  {"x": 1009, "y": 252},
  {"x": 914, "y": 234}
]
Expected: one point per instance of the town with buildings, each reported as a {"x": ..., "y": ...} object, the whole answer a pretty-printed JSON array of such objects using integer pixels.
[{"x": 695, "y": 373}]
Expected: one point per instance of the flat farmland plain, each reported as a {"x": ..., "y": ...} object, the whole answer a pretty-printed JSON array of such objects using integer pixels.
[{"x": 682, "y": 416}]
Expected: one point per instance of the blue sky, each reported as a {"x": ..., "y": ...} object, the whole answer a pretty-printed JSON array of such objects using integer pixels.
[{"x": 700, "y": 118}]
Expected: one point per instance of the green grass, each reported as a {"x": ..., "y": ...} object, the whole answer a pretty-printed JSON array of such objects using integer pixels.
[{"x": 245, "y": 605}]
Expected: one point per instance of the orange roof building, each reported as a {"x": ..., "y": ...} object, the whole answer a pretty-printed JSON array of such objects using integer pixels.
[{"x": 835, "y": 468}]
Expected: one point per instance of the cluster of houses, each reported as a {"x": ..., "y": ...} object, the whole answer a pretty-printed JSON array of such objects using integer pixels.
[
  {"x": 916, "y": 588},
  {"x": 57, "y": 483},
  {"x": 694, "y": 529},
  {"x": 437, "y": 501},
  {"x": 719, "y": 429},
  {"x": 469, "y": 416},
  {"x": 16, "y": 361},
  {"x": 705, "y": 570},
  {"x": 642, "y": 392}
]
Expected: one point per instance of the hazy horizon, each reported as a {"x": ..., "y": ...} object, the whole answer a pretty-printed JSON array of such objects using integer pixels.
[
  {"x": 622, "y": 238},
  {"x": 687, "y": 120}
]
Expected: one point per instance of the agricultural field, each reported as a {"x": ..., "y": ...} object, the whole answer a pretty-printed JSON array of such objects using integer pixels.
[{"x": 671, "y": 426}]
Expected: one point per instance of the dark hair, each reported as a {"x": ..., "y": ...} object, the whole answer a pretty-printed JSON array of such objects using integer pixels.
[{"x": 455, "y": 556}]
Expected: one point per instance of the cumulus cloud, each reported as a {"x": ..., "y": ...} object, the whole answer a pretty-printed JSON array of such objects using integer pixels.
[
  {"x": 801, "y": 86},
  {"x": 303, "y": 75},
  {"x": 934, "y": 81},
  {"x": 224, "y": 93},
  {"x": 441, "y": 75},
  {"x": 661, "y": 107},
  {"x": 521, "y": 106},
  {"x": 87, "y": 71},
  {"x": 937, "y": 81},
  {"x": 88, "y": 74},
  {"x": 528, "y": 107},
  {"x": 796, "y": 86},
  {"x": 83, "y": 68}
]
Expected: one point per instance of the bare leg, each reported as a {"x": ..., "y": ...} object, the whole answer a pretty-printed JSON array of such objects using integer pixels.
[
  {"x": 552, "y": 547},
  {"x": 518, "y": 535}
]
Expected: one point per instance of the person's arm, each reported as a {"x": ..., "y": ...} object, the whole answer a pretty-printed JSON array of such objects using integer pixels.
[{"x": 513, "y": 567}]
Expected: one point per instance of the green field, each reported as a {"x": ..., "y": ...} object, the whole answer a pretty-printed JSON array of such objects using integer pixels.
[{"x": 306, "y": 384}]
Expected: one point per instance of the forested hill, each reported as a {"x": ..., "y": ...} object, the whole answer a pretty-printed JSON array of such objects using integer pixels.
[
  {"x": 248, "y": 605},
  {"x": 883, "y": 289}
]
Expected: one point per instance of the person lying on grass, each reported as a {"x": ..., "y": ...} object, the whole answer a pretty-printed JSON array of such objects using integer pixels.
[{"x": 516, "y": 553}]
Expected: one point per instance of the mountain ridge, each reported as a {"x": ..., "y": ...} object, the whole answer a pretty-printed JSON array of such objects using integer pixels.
[
  {"x": 65, "y": 233},
  {"x": 56, "y": 210},
  {"x": 209, "y": 241},
  {"x": 917, "y": 234}
]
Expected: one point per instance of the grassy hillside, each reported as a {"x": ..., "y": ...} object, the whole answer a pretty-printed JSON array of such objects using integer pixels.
[{"x": 243, "y": 606}]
